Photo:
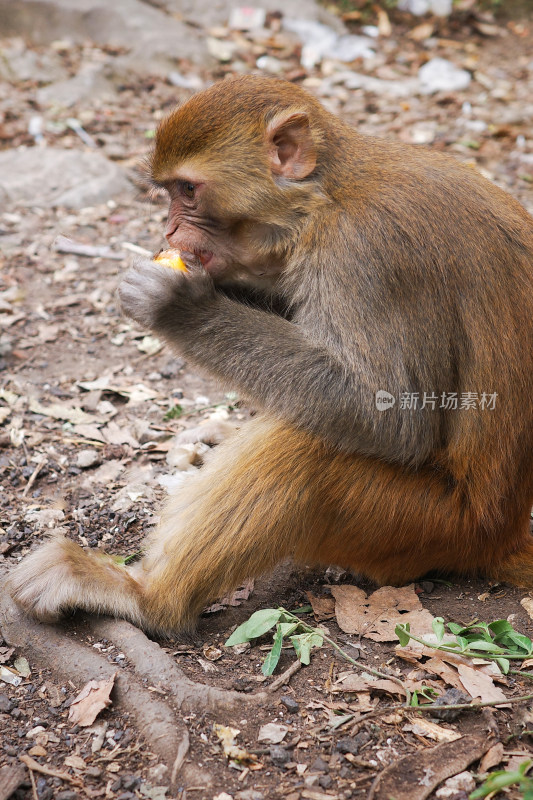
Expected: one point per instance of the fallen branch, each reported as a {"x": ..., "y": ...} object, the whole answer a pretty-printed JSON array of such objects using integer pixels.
[
  {"x": 282, "y": 679},
  {"x": 34, "y": 766}
]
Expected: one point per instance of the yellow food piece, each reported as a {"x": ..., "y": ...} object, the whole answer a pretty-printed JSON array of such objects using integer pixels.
[{"x": 171, "y": 258}]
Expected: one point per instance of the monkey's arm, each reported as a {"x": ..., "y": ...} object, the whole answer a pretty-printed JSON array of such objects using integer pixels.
[{"x": 270, "y": 359}]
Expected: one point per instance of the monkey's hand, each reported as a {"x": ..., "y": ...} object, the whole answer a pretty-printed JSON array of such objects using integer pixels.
[{"x": 160, "y": 298}]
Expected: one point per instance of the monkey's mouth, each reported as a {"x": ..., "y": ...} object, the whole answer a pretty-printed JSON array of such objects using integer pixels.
[
  {"x": 205, "y": 256},
  {"x": 191, "y": 259}
]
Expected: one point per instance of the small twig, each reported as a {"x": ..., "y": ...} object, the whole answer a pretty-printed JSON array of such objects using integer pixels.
[
  {"x": 432, "y": 708},
  {"x": 33, "y": 785},
  {"x": 52, "y": 773},
  {"x": 285, "y": 677},
  {"x": 183, "y": 749},
  {"x": 352, "y": 661},
  {"x": 33, "y": 476},
  {"x": 521, "y": 672}
]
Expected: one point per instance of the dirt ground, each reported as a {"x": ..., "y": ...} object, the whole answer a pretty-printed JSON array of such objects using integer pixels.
[{"x": 86, "y": 433}]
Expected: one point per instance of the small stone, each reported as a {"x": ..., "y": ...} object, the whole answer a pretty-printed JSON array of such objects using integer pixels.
[
  {"x": 87, "y": 458},
  {"x": 319, "y": 765},
  {"x": 93, "y": 772},
  {"x": 449, "y": 698},
  {"x": 171, "y": 368},
  {"x": 290, "y": 704},
  {"x": 279, "y": 756},
  {"x": 5, "y": 704},
  {"x": 427, "y": 586},
  {"x": 10, "y": 751},
  {"x": 249, "y": 794},
  {"x": 461, "y": 784},
  {"x": 130, "y": 782},
  {"x": 325, "y": 781},
  {"x": 348, "y": 745},
  {"x": 68, "y": 795}
]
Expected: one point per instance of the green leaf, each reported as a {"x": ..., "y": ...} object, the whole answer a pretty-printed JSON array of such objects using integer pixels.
[
  {"x": 288, "y": 627},
  {"x": 304, "y": 642},
  {"x": 402, "y": 632},
  {"x": 501, "y": 779},
  {"x": 259, "y": 623},
  {"x": 523, "y": 642},
  {"x": 271, "y": 661},
  {"x": 438, "y": 628},
  {"x": 503, "y": 664},
  {"x": 500, "y": 626},
  {"x": 302, "y": 610},
  {"x": 174, "y": 413},
  {"x": 454, "y": 628},
  {"x": 485, "y": 647}
]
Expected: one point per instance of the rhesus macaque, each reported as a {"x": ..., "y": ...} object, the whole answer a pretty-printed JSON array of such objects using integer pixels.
[{"x": 323, "y": 267}]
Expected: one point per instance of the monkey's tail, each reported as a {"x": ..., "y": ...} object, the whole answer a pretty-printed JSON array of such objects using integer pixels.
[{"x": 61, "y": 576}]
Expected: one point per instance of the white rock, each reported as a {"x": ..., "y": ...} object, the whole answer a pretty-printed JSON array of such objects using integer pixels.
[
  {"x": 463, "y": 782},
  {"x": 440, "y": 75},
  {"x": 87, "y": 458}
]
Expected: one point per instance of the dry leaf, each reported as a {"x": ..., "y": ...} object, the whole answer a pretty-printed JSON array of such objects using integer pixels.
[
  {"x": 62, "y": 411},
  {"x": 491, "y": 758},
  {"x": 431, "y": 730},
  {"x": 235, "y": 753},
  {"x": 422, "y": 31},
  {"x": 376, "y": 617},
  {"x": 362, "y": 682},
  {"x": 323, "y": 607},
  {"x": 272, "y": 733},
  {"x": 527, "y": 603},
  {"x": 107, "y": 473},
  {"x": 384, "y": 26},
  {"x": 114, "y": 434},
  {"x": 479, "y": 684},
  {"x": 76, "y": 762},
  {"x": 92, "y": 699}
]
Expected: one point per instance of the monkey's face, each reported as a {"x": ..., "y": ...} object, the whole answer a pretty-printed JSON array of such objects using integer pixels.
[
  {"x": 199, "y": 224},
  {"x": 240, "y": 181}
]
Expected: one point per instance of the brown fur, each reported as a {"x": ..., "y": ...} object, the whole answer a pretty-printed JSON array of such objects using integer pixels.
[{"x": 342, "y": 265}]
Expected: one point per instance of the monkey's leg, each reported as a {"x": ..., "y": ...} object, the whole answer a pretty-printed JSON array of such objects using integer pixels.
[{"x": 240, "y": 515}]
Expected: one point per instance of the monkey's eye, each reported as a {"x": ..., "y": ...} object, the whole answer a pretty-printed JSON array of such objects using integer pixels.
[{"x": 188, "y": 188}]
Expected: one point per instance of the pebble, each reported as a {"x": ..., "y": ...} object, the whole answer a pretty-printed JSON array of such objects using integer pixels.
[
  {"x": 87, "y": 458},
  {"x": 348, "y": 745},
  {"x": 130, "y": 782},
  {"x": 319, "y": 765},
  {"x": 279, "y": 756},
  {"x": 249, "y": 794},
  {"x": 449, "y": 698},
  {"x": 290, "y": 704},
  {"x": 5, "y": 704}
]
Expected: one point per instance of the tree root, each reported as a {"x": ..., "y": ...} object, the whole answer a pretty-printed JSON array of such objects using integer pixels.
[{"x": 157, "y": 719}]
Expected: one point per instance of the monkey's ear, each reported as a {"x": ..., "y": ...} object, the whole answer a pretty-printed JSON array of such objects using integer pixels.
[{"x": 291, "y": 149}]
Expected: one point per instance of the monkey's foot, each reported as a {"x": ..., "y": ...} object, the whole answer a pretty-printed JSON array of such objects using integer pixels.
[{"x": 60, "y": 576}]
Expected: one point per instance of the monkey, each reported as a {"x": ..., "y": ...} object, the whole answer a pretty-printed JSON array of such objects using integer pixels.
[{"x": 325, "y": 267}]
